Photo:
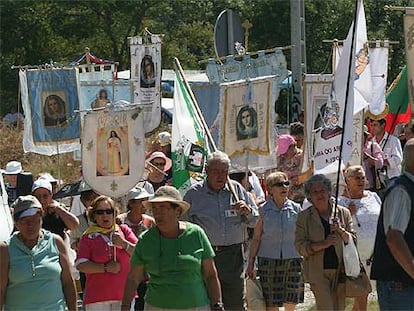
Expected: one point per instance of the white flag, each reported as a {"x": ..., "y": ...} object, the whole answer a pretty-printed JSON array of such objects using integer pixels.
[
  {"x": 363, "y": 78},
  {"x": 328, "y": 125}
]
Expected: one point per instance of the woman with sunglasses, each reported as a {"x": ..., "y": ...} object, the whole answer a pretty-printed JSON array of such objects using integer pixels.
[
  {"x": 104, "y": 252},
  {"x": 279, "y": 264},
  {"x": 158, "y": 165}
]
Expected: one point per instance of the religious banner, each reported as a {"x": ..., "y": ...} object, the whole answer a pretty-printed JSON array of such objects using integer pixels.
[
  {"x": 113, "y": 150},
  {"x": 246, "y": 117},
  {"x": 378, "y": 63},
  {"x": 409, "y": 49},
  {"x": 49, "y": 99},
  {"x": 333, "y": 127},
  {"x": 265, "y": 64},
  {"x": 316, "y": 90},
  {"x": 98, "y": 95},
  {"x": 146, "y": 77}
]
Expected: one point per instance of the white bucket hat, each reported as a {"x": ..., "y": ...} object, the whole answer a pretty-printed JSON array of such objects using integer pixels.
[
  {"x": 13, "y": 168},
  {"x": 137, "y": 193}
]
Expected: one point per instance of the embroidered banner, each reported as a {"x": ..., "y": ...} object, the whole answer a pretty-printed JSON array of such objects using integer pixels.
[
  {"x": 49, "y": 98},
  {"x": 146, "y": 77},
  {"x": 246, "y": 118},
  {"x": 113, "y": 150}
]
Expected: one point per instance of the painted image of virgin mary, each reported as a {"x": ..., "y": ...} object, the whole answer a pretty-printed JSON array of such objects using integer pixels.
[
  {"x": 54, "y": 111},
  {"x": 113, "y": 153},
  {"x": 246, "y": 123},
  {"x": 147, "y": 72}
]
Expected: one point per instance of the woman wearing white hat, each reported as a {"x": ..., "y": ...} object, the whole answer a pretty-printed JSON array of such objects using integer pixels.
[
  {"x": 178, "y": 258},
  {"x": 158, "y": 165}
]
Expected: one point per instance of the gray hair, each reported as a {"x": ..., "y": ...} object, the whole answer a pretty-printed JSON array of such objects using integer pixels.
[
  {"x": 316, "y": 179},
  {"x": 218, "y": 156}
]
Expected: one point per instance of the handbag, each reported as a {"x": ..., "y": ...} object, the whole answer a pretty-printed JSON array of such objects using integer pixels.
[
  {"x": 351, "y": 259},
  {"x": 359, "y": 286}
]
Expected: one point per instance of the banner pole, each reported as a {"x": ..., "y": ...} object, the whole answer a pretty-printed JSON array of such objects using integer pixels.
[
  {"x": 203, "y": 122},
  {"x": 351, "y": 57}
]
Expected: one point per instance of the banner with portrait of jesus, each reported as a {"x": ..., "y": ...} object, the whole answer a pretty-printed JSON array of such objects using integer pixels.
[
  {"x": 245, "y": 109},
  {"x": 146, "y": 77},
  {"x": 113, "y": 150},
  {"x": 49, "y": 99}
]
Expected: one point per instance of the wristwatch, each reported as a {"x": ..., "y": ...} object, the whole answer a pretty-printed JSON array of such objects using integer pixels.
[{"x": 218, "y": 306}]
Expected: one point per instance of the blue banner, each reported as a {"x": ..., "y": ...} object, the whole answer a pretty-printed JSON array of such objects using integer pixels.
[{"x": 53, "y": 97}]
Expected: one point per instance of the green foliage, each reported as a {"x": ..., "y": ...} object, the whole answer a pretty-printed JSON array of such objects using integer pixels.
[{"x": 34, "y": 32}]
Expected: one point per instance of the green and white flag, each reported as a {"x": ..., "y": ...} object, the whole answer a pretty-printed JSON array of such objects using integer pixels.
[{"x": 189, "y": 145}]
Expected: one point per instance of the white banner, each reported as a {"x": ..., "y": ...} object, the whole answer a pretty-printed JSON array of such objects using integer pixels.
[
  {"x": 378, "y": 58},
  {"x": 146, "y": 77},
  {"x": 113, "y": 150},
  {"x": 409, "y": 49},
  {"x": 350, "y": 86},
  {"x": 316, "y": 90},
  {"x": 245, "y": 107}
]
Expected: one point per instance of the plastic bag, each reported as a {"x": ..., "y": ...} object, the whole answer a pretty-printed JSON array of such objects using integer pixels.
[{"x": 351, "y": 259}]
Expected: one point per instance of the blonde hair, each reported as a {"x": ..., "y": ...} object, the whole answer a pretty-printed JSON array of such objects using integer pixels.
[
  {"x": 353, "y": 170},
  {"x": 271, "y": 178},
  {"x": 91, "y": 210}
]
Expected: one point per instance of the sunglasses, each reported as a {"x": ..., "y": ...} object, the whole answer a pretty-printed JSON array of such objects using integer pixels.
[
  {"x": 159, "y": 163},
  {"x": 281, "y": 183},
  {"x": 104, "y": 211}
]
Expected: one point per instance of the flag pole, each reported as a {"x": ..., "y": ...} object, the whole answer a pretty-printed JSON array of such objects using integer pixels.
[
  {"x": 201, "y": 118},
  {"x": 350, "y": 71}
]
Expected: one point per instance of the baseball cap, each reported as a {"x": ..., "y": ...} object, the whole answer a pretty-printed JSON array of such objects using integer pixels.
[
  {"x": 42, "y": 183},
  {"x": 25, "y": 205}
]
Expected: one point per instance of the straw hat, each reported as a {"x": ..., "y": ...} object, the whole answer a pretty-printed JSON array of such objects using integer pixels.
[{"x": 167, "y": 194}]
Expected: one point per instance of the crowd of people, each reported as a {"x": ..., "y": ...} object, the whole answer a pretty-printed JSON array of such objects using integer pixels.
[{"x": 155, "y": 249}]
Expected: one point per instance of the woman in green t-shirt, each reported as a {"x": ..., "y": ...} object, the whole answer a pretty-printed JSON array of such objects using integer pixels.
[{"x": 178, "y": 258}]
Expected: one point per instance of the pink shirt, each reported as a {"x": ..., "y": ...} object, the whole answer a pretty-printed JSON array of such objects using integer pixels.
[
  {"x": 374, "y": 150},
  {"x": 104, "y": 286}
]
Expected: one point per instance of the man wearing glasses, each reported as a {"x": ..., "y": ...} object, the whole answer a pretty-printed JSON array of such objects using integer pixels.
[{"x": 224, "y": 219}]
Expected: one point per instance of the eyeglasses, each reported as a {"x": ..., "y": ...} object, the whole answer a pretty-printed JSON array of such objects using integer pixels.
[
  {"x": 104, "y": 211},
  {"x": 281, "y": 184},
  {"x": 159, "y": 163}
]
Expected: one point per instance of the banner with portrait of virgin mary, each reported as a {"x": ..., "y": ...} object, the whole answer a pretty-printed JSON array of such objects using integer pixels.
[
  {"x": 50, "y": 98},
  {"x": 245, "y": 109},
  {"x": 146, "y": 77},
  {"x": 113, "y": 150}
]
